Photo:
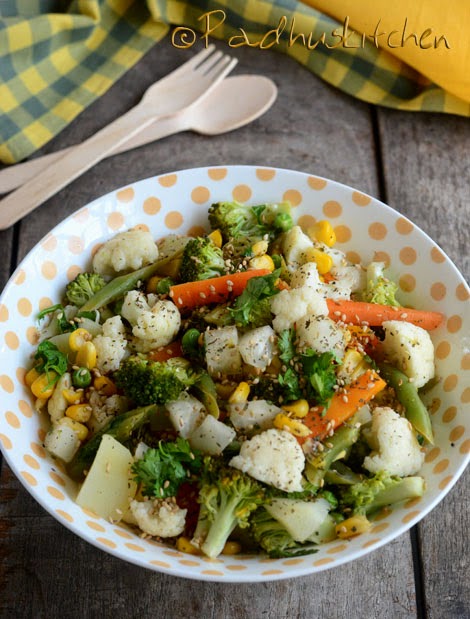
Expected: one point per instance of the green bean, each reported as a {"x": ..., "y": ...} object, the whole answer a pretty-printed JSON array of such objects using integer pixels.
[
  {"x": 407, "y": 394},
  {"x": 120, "y": 427},
  {"x": 118, "y": 286},
  {"x": 204, "y": 390},
  {"x": 336, "y": 447},
  {"x": 341, "y": 475},
  {"x": 189, "y": 341}
]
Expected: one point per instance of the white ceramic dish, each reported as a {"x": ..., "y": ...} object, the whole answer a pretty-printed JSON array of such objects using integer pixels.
[{"x": 178, "y": 203}]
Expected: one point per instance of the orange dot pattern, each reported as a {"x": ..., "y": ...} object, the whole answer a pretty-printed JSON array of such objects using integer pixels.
[
  {"x": 265, "y": 174},
  {"x": 152, "y": 206},
  {"x": 241, "y": 193},
  {"x": 125, "y": 195},
  {"x": 332, "y": 209},
  {"x": 200, "y": 195},
  {"x": 293, "y": 196},
  {"x": 360, "y": 198},
  {"x": 217, "y": 174},
  {"x": 316, "y": 183}
]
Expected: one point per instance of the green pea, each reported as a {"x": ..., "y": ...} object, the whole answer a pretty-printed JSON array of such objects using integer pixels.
[
  {"x": 81, "y": 378},
  {"x": 164, "y": 285}
]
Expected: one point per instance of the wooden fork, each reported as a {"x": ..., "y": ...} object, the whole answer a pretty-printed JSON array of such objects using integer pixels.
[{"x": 169, "y": 95}]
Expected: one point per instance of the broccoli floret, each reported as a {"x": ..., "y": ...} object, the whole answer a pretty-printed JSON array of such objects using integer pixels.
[
  {"x": 153, "y": 382},
  {"x": 275, "y": 539},
  {"x": 227, "y": 498},
  {"x": 382, "y": 489},
  {"x": 236, "y": 220},
  {"x": 201, "y": 260},
  {"x": 380, "y": 289},
  {"x": 83, "y": 287}
]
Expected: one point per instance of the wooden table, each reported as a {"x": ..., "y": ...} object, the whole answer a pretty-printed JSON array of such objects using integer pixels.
[{"x": 417, "y": 163}]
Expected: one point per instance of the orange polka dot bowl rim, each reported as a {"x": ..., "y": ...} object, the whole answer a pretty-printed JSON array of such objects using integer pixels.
[{"x": 177, "y": 202}]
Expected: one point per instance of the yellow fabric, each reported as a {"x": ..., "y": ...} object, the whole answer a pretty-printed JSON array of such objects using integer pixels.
[{"x": 449, "y": 68}]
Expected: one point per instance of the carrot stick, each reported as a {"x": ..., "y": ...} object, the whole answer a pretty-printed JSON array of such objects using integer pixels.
[
  {"x": 339, "y": 411},
  {"x": 166, "y": 352},
  {"x": 213, "y": 290},
  {"x": 359, "y": 312}
]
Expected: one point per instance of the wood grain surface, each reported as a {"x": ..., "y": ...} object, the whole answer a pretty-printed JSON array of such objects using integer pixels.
[{"x": 419, "y": 164}]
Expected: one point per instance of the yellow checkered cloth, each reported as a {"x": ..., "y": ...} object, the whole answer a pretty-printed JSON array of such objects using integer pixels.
[{"x": 58, "y": 56}]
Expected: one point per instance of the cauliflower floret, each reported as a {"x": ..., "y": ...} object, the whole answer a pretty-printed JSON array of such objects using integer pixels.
[
  {"x": 273, "y": 457},
  {"x": 306, "y": 275},
  {"x": 410, "y": 348},
  {"x": 321, "y": 334},
  {"x": 159, "y": 518},
  {"x": 289, "y": 306},
  {"x": 110, "y": 345},
  {"x": 294, "y": 246},
  {"x": 127, "y": 251},
  {"x": 395, "y": 446},
  {"x": 153, "y": 326},
  {"x": 349, "y": 276},
  {"x": 347, "y": 279},
  {"x": 104, "y": 408}
]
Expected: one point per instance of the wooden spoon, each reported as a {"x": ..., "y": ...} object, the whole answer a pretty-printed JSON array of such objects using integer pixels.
[{"x": 233, "y": 103}]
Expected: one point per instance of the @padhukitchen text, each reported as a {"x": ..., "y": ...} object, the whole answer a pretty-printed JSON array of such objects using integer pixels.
[{"x": 184, "y": 37}]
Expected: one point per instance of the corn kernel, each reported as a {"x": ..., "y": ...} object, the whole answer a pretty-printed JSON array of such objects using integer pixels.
[
  {"x": 71, "y": 396},
  {"x": 240, "y": 394},
  {"x": 31, "y": 376},
  {"x": 232, "y": 548},
  {"x": 352, "y": 526},
  {"x": 151, "y": 287},
  {"x": 79, "y": 412},
  {"x": 297, "y": 428},
  {"x": 86, "y": 356},
  {"x": 183, "y": 544},
  {"x": 323, "y": 232},
  {"x": 299, "y": 408},
  {"x": 259, "y": 248},
  {"x": 80, "y": 430},
  {"x": 104, "y": 385},
  {"x": 78, "y": 337},
  {"x": 323, "y": 261},
  {"x": 262, "y": 262},
  {"x": 216, "y": 237},
  {"x": 43, "y": 386}
]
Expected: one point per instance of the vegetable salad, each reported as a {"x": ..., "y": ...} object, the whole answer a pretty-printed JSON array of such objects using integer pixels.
[{"x": 248, "y": 390}]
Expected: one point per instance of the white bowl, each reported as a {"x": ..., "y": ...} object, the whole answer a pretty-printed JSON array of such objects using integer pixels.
[{"x": 178, "y": 203}]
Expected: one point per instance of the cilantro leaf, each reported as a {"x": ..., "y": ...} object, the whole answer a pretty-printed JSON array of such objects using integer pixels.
[
  {"x": 48, "y": 310},
  {"x": 286, "y": 345},
  {"x": 289, "y": 381},
  {"x": 162, "y": 470},
  {"x": 319, "y": 370},
  {"x": 63, "y": 324},
  {"x": 50, "y": 360},
  {"x": 246, "y": 307}
]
